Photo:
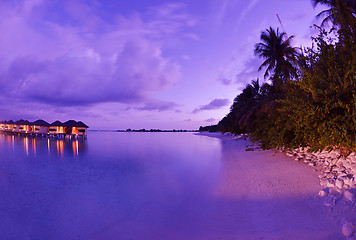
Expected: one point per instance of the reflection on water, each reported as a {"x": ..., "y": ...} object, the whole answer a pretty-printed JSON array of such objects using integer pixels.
[
  {"x": 109, "y": 186},
  {"x": 54, "y": 147},
  {"x": 25, "y": 141},
  {"x": 59, "y": 148},
  {"x": 34, "y": 146},
  {"x": 13, "y": 142}
]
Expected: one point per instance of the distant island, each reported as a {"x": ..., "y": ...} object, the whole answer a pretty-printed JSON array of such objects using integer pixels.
[{"x": 155, "y": 130}]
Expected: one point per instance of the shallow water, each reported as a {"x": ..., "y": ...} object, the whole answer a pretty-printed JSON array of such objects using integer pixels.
[
  {"x": 155, "y": 186},
  {"x": 110, "y": 186}
]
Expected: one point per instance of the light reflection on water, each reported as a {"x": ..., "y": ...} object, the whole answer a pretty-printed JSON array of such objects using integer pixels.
[
  {"x": 131, "y": 184},
  {"x": 29, "y": 145}
]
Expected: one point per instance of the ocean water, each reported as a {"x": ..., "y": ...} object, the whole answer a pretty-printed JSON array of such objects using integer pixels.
[
  {"x": 109, "y": 186},
  {"x": 148, "y": 186}
]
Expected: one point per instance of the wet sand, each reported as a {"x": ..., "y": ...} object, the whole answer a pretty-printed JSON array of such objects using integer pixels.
[{"x": 267, "y": 195}]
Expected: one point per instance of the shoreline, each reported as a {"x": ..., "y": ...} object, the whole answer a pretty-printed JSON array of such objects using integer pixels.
[{"x": 336, "y": 182}]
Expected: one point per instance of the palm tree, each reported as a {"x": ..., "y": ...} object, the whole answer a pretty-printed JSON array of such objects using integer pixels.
[
  {"x": 250, "y": 95},
  {"x": 246, "y": 105},
  {"x": 279, "y": 55},
  {"x": 341, "y": 13},
  {"x": 336, "y": 8}
]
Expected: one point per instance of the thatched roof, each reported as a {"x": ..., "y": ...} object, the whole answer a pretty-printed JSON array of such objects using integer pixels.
[
  {"x": 81, "y": 124},
  {"x": 21, "y": 122},
  {"x": 72, "y": 123},
  {"x": 40, "y": 122},
  {"x": 57, "y": 124}
]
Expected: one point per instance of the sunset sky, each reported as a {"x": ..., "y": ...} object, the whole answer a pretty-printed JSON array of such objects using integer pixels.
[{"x": 135, "y": 64}]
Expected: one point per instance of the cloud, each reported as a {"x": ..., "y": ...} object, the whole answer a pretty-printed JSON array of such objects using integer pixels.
[
  {"x": 247, "y": 10},
  {"x": 84, "y": 76},
  {"x": 210, "y": 120},
  {"x": 249, "y": 70},
  {"x": 67, "y": 59},
  {"x": 215, "y": 104},
  {"x": 221, "y": 12},
  {"x": 170, "y": 18},
  {"x": 185, "y": 57},
  {"x": 158, "y": 106},
  {"x": 227, "y": 71},
  {"x": 225, "y": 81},
  {"x": 34, "y": 110},
  {"x": 187, "y": 120}
]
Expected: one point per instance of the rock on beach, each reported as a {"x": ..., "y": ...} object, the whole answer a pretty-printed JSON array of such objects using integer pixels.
[
  {"x": 350, "y": 194},
  {"x": 337, "y": 173}
]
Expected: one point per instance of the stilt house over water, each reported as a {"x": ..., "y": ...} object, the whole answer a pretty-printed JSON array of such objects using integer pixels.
[{"x": 40, "y": 127}]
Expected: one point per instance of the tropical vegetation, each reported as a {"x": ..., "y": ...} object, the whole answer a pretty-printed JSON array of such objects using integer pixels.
[{"x": 311, "y": 98}]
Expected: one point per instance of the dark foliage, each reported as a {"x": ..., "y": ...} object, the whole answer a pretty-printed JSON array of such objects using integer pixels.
[
  {"x": 312, "y": 99},
  {"x": 280, "y": 57}
]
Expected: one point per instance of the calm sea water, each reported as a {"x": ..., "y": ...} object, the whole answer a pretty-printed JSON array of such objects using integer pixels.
[{"x": 110, "y": 186}]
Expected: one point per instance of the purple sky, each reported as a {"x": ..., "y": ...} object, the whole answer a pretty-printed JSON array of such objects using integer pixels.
[{"x": 138, "y": 64}]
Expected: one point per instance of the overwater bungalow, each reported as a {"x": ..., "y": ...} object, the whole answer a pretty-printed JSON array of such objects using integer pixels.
[
  {"x": 40, "y": 127},
  {"x": 75, "y": 128},
  {"x": 23, "y": 126},
  {"x": 14, "y": 127},
  {"x": 3, "y": 125},
  {"x": 11, "y": 125},
  {"x": 8, "y": 126},
  {"x": 82, "y": 128},
  {"x": 56, "y": 127}
]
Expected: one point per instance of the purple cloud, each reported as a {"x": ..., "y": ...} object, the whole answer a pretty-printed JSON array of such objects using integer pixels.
[
  {"x": 158, "y": 106},
  {"x": 215, "y": 104},
  {"x": 209, "y": 120},
  {"x": 225, "y": 81},
  {"x": 249, "y": 70},
  {"x": 170, "y": 18},
  {"x": 85, "y": 60}
]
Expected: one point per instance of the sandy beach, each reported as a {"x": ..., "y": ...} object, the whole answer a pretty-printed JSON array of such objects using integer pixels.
[{"x": 266, "y": 195}]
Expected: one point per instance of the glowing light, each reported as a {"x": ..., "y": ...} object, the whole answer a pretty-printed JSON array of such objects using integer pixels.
[
  {"x": 75, "y": 147},
  {"x": 26, "y": 145},
  {"x": 7, "y": 140},
  {"x": 60, "y": 148},
  {"x": 34, "y": 146},
  {"x": 49, "y": 150}
]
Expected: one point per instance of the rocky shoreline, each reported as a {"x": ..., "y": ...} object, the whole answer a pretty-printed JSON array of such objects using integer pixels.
[{"x": 337, "y": 175}]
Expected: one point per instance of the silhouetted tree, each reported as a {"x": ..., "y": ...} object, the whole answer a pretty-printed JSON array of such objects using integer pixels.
[
  {"x": 279, "y": 56},
  {"x": 244, "y": 108},
  {"x": 342, "y": 14}
]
